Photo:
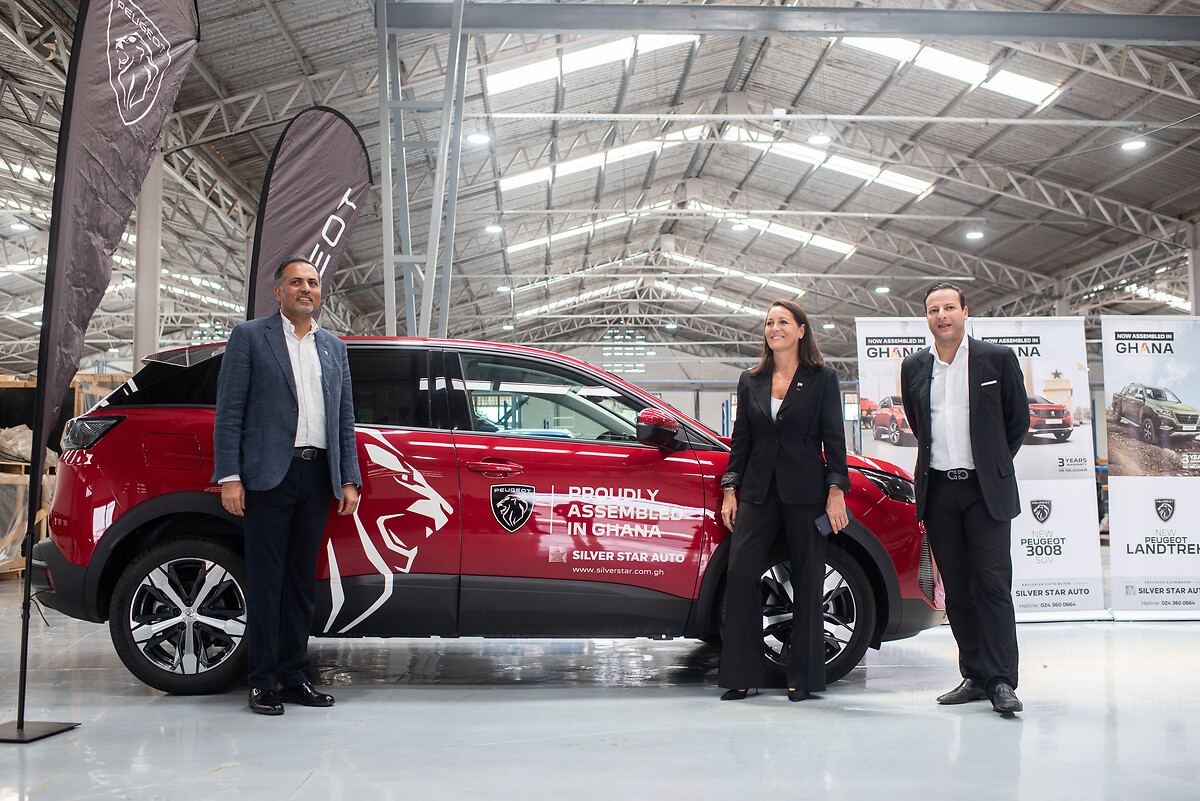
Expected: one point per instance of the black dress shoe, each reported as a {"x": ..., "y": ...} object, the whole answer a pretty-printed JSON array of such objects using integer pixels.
[
  {"x": 735, "y": 695},
  {"x": 799, "y": 695},
  {"x": 969, "y": 690},
  {"x": 265, "y": 702},
  {"x": 305, "y": 694},
  {"x": 1004, "y": 699}
]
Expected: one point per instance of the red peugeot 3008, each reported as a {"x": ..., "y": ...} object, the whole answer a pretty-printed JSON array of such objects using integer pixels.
[{"x": 508, "y": 492}]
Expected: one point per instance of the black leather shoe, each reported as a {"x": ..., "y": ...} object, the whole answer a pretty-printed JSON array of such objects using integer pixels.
[
  {"x": 969, "y": 690},
  {"x": 735, "y": 695},
  {"x": 1004, "y": 699},
  {"x": 265, "y": 702},
  {"x": 305, "y": 694},
  {"x": 798, "y": 695}
]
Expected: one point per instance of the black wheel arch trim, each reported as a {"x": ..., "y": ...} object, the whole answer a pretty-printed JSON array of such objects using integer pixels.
[
  {"x": 879, "y": 570},
  {"x": 158, "y": 512}
]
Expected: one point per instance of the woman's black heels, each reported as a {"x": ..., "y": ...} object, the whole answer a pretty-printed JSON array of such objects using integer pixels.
[
  {"x": 798, "y": 695},
  {"x": 735, "y": 695}
]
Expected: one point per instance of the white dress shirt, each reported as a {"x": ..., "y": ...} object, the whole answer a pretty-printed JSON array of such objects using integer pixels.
[
  {"x": 950, "y": 412},
  {"x": 306, "y": 369}
]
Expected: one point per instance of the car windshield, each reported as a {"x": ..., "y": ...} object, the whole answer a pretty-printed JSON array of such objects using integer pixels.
[
  {"x": 1160, "y": 394},
  {"x": 1038, "y": 399}
]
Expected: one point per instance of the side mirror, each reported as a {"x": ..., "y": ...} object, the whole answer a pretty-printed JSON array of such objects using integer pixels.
[{"x": 656, "y": 427}]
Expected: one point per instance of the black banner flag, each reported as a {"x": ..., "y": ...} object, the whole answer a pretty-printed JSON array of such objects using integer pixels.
[
  {"x": 127, "y": 64},
  {"x": 128, "y": 60},
  {"x": 315, "y": 186}
]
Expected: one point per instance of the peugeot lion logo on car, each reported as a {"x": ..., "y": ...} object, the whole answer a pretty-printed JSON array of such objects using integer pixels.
[{"x": 512, "y": 504}]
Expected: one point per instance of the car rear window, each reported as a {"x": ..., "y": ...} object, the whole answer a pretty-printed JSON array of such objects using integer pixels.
[{"x": 171, "y": 383}]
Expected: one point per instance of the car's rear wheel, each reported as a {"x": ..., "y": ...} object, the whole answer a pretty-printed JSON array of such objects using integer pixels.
[
  {"x": 178, "y": 616},
  {"x": 849, "y": 612}
]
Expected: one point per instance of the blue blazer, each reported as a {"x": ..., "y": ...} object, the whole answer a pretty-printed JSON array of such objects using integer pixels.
[{"x": 257, "y": 409}]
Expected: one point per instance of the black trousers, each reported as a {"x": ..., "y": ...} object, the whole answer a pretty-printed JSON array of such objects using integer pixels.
[
  {"x": 755, "y": 531},
  {"x": 284, "y": 527},
  {"x": 972, "y": 553}
]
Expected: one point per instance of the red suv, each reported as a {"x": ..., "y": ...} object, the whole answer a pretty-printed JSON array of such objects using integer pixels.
[
  {"x": 1048, "y": 417},
  {"x": 507, "y": 492},
  {"x": 891, "y": 423}
]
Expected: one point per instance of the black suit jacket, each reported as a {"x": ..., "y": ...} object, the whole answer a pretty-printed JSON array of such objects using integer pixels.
[
  {"x": 999, "y": 421},
  {"x": 789, "y": 446}
]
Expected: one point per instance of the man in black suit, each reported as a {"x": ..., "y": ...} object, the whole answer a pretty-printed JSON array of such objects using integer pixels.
[{"x": 967, "y": 406}]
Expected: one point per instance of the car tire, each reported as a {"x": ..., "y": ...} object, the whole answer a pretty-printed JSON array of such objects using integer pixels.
[
  {"x": 178, "y": 616},
  {"x": 849, "y": 612},
  {"x": 894, "y": 433},
  {"x": 1149, "y": 433},
  {"x": 1062, "y": 436}
]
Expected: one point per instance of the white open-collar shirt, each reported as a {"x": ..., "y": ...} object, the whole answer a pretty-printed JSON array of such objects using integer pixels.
[{"x": 950, "y": 412}]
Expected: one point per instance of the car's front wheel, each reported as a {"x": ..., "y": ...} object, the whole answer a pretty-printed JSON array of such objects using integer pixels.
[
  {"x": 1062, "y": 436},
  {"x": 178, "y": 616},
  {"x": 848, "y": 609},
  {"x": 894, "y": 433},
  {"x": 1149, "y": 432}
]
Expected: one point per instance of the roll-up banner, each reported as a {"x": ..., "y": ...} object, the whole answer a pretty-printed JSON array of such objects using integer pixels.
[
  {"x": 315, "y": 187},
  {"x": 1056, "y": 540},
  {"x": 1152, "y": 391}
]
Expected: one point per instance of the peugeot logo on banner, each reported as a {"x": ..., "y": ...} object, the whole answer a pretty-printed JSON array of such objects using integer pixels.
[
  {"x": 512, "y": 504},
  {"x": 1040, "y": 510},
  {"x": 1165, "y": 508},
  {"x": 138, "y": 58}
]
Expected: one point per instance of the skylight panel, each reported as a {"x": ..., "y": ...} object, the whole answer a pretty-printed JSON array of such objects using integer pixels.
[
  {"x": 597, "y": 56},
  {"x": 852, "y": 167},
  {"x": 583, "y": 230},
  {"x": 950, "y": 65},
  {"x": 582, "y": 297},
  {"x": 521, "y": 76},
  {"x": 708, "y": 298},
  {"x": 581, "y": 164},
  {"x": 836, "y": 246},
  {"x": 905, "y": 183},
  {"x": 899, "y": 49},
  {"x": 648, "y": 43},
  {"x": 524, "y": 179},
  {"x": 1020, "y": 87}
]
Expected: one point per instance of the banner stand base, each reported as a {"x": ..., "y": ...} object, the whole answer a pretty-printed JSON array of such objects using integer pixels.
[{"x": 32, "y": 731}]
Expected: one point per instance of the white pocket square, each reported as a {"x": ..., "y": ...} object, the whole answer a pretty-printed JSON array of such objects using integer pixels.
[{"x": 988, "y": 383}]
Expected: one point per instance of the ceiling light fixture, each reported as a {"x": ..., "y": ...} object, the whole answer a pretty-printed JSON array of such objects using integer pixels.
[
  {"x": 21, "y": 226},
  {"x": 973, "y": 234},
  {"x": 819, "y": 139},
  {"x": 671, "y": 326},
  {"x": 503, "y": 288},
  {"x": 1133, "y": 144},
  {"x": 740, "y": 224},
  {"x": 478, "y": 138},
  {"x": 829, "y": 326},
  {"x": 507, "y": 327},
  {"x": 698, "y": 288},
  {"x": 494, "y": 228},
  {"x": 882, "y": 290}
]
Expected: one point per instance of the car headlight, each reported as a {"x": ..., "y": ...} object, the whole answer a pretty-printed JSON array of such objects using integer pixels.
[
  {"x": 84, "y": 432},
  {"x": 894, "y": 487}
]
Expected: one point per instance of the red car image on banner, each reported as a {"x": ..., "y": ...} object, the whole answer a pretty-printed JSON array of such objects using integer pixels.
[{"x": 507, "y": 492}]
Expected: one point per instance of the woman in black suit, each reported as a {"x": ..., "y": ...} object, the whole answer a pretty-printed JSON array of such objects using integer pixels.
[{"x": 789, "y": 409}]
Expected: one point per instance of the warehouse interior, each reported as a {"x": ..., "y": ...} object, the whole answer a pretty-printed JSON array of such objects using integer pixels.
[{"x": 633, "y": 184}]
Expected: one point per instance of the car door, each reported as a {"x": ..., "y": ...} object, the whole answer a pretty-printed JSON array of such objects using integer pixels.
[
  {"x": 392, "y": 567},
  {"x": 571, "y": 526}
]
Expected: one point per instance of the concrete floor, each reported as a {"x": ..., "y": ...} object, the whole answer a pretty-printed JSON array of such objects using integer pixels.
[{"x": 1112, "y": 712}]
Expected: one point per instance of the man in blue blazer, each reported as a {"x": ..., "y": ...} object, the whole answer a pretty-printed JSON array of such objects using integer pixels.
[
  {"x": 967, "y": 406},
  {"x": 283, "y": 443}
]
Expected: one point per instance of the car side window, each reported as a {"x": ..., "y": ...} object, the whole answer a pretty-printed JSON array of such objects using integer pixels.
[
  {"x": 517, "y": 396},
  {"x": 391, "y": 386},
  {"x": 886, "y": 403}
]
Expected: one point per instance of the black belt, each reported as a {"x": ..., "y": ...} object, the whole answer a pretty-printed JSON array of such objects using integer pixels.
[
  {"x": 957, "y": 474},
  {"x": 308, "y": 454}
]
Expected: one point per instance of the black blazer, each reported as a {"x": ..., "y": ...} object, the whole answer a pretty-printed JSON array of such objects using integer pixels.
[
  {"x": 788, "y": 447},
  {"x": 999, "y": 421}
]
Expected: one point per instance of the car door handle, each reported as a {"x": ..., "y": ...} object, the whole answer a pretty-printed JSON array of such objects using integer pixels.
[{"x": 496, "y": 469}]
